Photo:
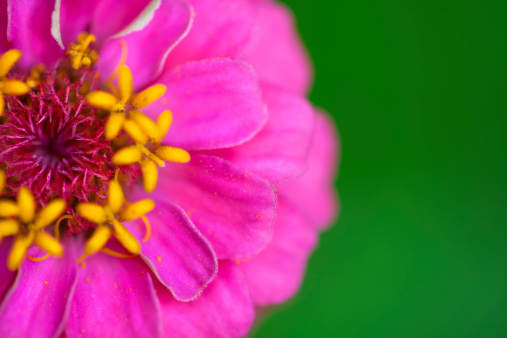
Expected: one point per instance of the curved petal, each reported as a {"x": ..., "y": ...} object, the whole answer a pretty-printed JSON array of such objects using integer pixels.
[
  {"x": 220, "y": 29},
  {"x": 276, "y": 273},
  {"x": 6, "y": 275},
  {"x": 148, "y": 47},
  {"x": 278, "y": 55},
  {"x": 76, "y": 17},
  {"x": 29, "y": 30},
  {"x": 178, "y": 253},
  {"x": 223, "y": 309},
  {"x": 114, "y": 298},
  {"x": 215, "y": 103},
  {"x": 232, "y": 208},
  {"x": 314, "y": 191},
  {"x": 38, "y": 306},
  {"x": 279, "y": 151}
]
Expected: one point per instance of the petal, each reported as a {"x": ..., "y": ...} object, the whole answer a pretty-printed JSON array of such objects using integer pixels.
[
  {"x": 277, "y": 54},
  {"x": 76, "y": 17},
  {"x": 177, "y": 252},
  {"x": 29, "y": 30},
  {"x": 279, "y": 151},
  {"x": 220, "y": 29},
  {"x": 215, "y": 104},
  {"x": 276, "y": 273},
  {"x": 148, "y": 47},
  {"x": 114, "y": 298},
  {"x": 223, "y": 308},
  {"x": 38, "y": 304},
  {"x": 314, "y": 191},
  {"x": 3, "y": 26},
  {"x": 232, "y": 208},
  {"x": 6, "y": 275}
]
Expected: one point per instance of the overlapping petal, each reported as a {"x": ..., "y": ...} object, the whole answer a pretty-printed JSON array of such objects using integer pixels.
[
  {"x": 234, "y": 209},
  {"x": 224, "y": 309},
  {"x": 114, "y": 298},
  {"x": 178, "y": 253},
  {"x": 6, "y": 275}
]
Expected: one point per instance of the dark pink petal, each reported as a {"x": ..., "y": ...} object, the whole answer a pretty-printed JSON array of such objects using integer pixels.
[
  {"x": 3, "y": 26},
  {"x": 29, "y": 30},
  {"x": 148, "y": 47},
  {"x": 76, "y": 17},
  {"x": 279, "y": 151},
  {"x": 114, "y": 298},
  {"x": 38, "y": 304},
  {"x": 220, "y": 29},
  {"x": 215, "y": 104},
  {"x": 314, "y": 192},
  {"x": 276, "y": 273},
  {"x": 178, "y": 253},
  {"x": 231, "y": 207},
  {"x": 278, "y": 55},
  {"x": 6, "y": 275},
  {"x": 224, "y": 309}
]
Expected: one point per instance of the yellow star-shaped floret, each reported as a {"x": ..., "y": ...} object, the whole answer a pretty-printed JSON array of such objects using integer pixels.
[
  {"x": 80, "y": 54},
  {"x": 8, "y": 86},
  {"x": 109, "y": 218},
  {"x": 28, "y": 226}
]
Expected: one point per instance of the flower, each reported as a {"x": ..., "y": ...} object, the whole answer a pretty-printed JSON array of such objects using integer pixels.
[{"x": 195, "y": 110}]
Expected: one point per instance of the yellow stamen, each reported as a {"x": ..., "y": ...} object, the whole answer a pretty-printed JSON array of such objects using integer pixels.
[
  {"x": 8, "y": 227},
  {"x": 38, "y": 259},
  {"x": 48, "y": 243},
  {"x": 8, "y": 59},
  {"x": 148, "y": 96},
  {"x": 135, "y": 210},
  {"x": 19, "y": 249},
  {"x": 35, "y": 76},
  {"x": 57, "y": 225},
  {"x": 150, "y": 175},
  {"x": 115, "y": 198},
  {"x": 101, "y": 100},
  {"x": 152, "y": 156},
  {"x": 92, "y": 212},
  {"x": 148, "y": 228},
  {"x": 2, "y": 104},
  {"x": 79, "y": 53},
  {"x": 127, "y": 155},
  {"x": 164, "y": 122},
  {"x": 2, "y": 180},
  {"x": 125, "y": 85},
  {"x": 123, "y": 59},
  {"x": 26, "y": 205},
  {"x": 8, "y": 209},
  {"x": 14, "y": 87},
  {"x": 114, "y": 125},
  {"x": 98, "y": 239},
  {"x": 128, "y": 241},
  {"x": 135, "y": 132},
  {"x": 146, "y": 124},
  {"x": 50, "y": 213},
  {"x": 172, "y": 154},
  {"x": 113, "y": 253}
]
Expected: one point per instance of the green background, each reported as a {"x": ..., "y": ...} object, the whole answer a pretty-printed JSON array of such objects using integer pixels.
[{"x": 418, "y": 91}]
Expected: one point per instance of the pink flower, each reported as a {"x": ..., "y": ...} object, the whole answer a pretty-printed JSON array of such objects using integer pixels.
[{"x": 160, "y": 142}]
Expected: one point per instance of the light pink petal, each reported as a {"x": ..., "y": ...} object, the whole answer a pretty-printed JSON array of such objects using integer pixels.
[
  {"x": 234, "y": 209},
  {"x": 29, "y": 30},
  {"x": 149, "y": 47},
  {"x": 114, "y": 298},
  {"x": 76, "y": 17},
  {"x": 6, "y": 275},
  {"x": 279, "y": 151},
  {"x": 314, "y": 192},
  {"x": 276, "y": 273},
  {"x": 215, "y": 104},
  {"x": 178, "y": 253},
  {"x": 224, "y": 309},
  {"x": 38, "y": 304},
  {"x": 220, "y": 29},
  {"x": 278, "y": 55}
]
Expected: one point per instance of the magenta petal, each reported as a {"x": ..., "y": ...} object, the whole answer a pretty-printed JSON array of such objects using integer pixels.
[
  {"x": 279, "y": 151},
  {"x": 6, "y": 275},
  {"x": 38, "y": 305},
  {"x": 178, "y": 253},
  {"x": 29, "y": 30},
  {"x": 114, "y": 298},
  {"x": 3, "y": 26},
  {"x": 220, "y": 29},
  {"x": 215, "y": 103},
  {"x": 224, "y": 309},
  {"x": 76, "y": 17},
  {"x": 232, "y": 208},
  {"x": 276, "y": 273},
  {"x": 314, "y": 191},
  {"x": 278, "y": 55},
  {"x": 149, "y": 47}
]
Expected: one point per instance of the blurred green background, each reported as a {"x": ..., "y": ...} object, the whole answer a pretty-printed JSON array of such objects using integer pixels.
[{"x": 418, "y": 90}]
